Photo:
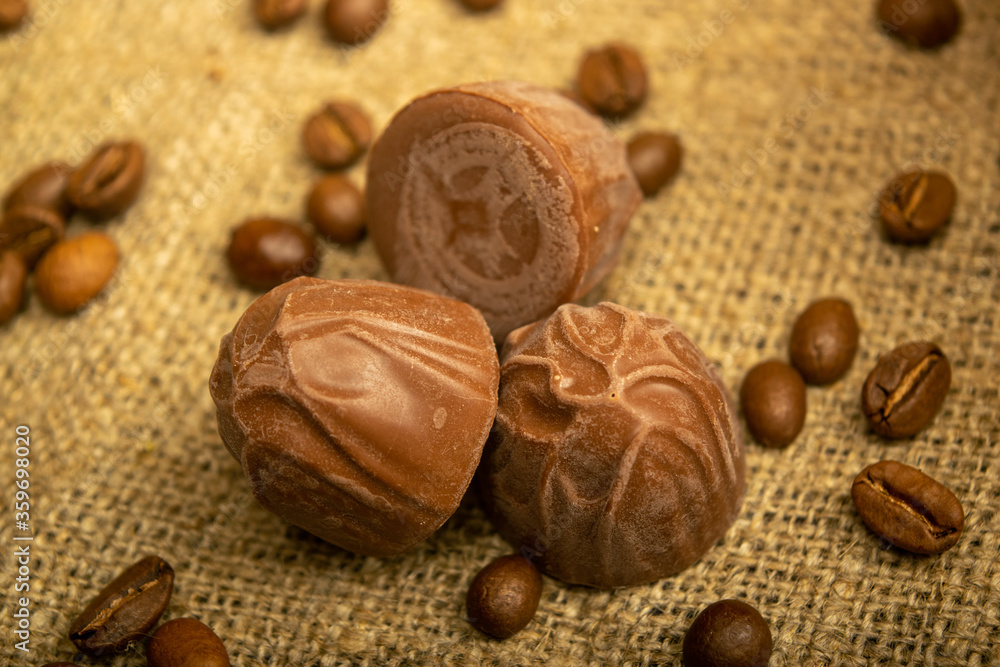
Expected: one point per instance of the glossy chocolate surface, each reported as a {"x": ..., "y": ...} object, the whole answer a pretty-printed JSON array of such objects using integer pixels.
[
  {"x": 357, "y": 409},
  {"x": 616, "y": 458},
  {"x": 505, "y": 195}
]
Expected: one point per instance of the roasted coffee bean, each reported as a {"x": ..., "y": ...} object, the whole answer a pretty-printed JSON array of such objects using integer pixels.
[
  {"x": 75, "y": 271},
  {"x": 354, "y": 21},
  {"x": 906, "y": 389},
  {"x": 480, "y": 5},
  {"x": 920, "y": 23},
  {"x": 655, "y": 158},
  {"x": 126, "y": 609},
  {"x": 12, "y": 12},
  {"x": 275, "y": 14},
  {"x": 186, "y": 642},
  {"x": 504, "y": 595},
  {"x": 265, "y": 252},
  {"x": 336, "y": 207},
  {"x": 612, "y": 80},
  {"x": 109, "y": 181},
  {"x": 773, "y": 397},
  {"x": 44, "y": 187},
  {"x": 30, "y": 231},
  {"x": 13, "y": 274},
  {"x": 915, "y": 204},
  {"x": 337, "y": 135},
  {"x": 824, "y": 341},
  {"x": 727, "y": 633},
  {"x": 907, "y": 508}
]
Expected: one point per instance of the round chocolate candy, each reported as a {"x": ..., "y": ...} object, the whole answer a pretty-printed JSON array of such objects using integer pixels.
[
  {"x": 616, "y": 458},
  {"x": 504, "y": 195},
  {"x": 357, "y": 409}
]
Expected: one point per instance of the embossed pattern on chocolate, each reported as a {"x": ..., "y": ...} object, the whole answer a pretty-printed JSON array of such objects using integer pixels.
[
  {"x": 357, "y": 409},
  {"x": 504, "y": 195},
  {"x": 616, "y": 458}
]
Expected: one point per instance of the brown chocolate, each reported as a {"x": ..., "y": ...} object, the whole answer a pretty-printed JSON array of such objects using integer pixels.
[
  {"x": 357, "y": 409},
  {"x": 616, "y": 458},
  {"x": 504, "y": 195}
]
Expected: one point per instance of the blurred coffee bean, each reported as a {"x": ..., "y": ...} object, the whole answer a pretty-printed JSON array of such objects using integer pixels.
[
  {"x": 354, "y": 21},
  {"x": 30, "y": 231},
  {"x": 265, "y": 252},
  {"x": 108, "y": 181},
  {"x": 336, "y": 207},
  {"x": 13, "y": 274},
  {"x": 45, "y": 187},
  {"x": 612, "y": 80},
  {"x": 920, "y": 23},
  {"x": 336, "y": 135},
  {"x": 275, "y": 14},
  {"x": 655, "y": 158}
]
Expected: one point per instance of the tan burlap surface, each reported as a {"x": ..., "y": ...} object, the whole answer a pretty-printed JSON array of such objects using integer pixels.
[{"x": 808, "y": 100}]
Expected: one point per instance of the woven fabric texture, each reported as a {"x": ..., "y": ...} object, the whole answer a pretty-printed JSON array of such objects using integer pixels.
[{"x": 793, "y": 115}]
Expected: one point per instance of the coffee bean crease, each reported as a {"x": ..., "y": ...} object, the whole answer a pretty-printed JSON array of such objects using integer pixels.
[
  {"x": 105, "y": 170},
  {"x": 911, "y": 505},
  {"x": 909, "y": 381},
  {"x": 914, "y": 196}
]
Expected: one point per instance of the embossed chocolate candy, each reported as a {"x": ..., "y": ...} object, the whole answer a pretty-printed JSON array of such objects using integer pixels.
[
  {"x": 616, "y": 458},
  {"x": 357, "y": 409},
  {"x": 504, "y": 195}
]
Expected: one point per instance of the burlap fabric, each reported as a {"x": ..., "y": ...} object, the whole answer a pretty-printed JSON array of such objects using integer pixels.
[{"x": 793, "y": 114}]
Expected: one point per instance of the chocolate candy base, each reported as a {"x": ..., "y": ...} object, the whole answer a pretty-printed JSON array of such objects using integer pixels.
[
  {"x": 504, "y": 195},
  {"x": 616, "y": 458},
  {"x": 357, "y": 409}
]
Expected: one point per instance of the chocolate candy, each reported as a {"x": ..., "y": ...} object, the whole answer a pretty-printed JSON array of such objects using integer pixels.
[
  {"x": 357, "y": 409},
  {"x": 616, "y": 458},
  {"x": 502, "y": 194}
]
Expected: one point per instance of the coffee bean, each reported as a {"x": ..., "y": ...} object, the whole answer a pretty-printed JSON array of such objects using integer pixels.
[
  {"x": 504, "y": 595},
  {"x": 30, "y": 231},
  {"x": 655, "y": 158},
  {"x": 907, "y": 508},
  {"x": 12, "y": 12},
  {"x": 906, "y": 389},
  {"x": 480, "y": 5},
  {"x": 354, "y": 21},
  {"x": 275, "y": 14},
  {"x": 337, "y": 135},
  {"x": 730, "y": 633},
  {"x": 824, "y": 341},
  {"x": 13, "y": 274},
  {"x": 612, "y": 80},
  {"x": 75, "y": 271},
  {"x": 186, "y": 642},
  {"x": 126, "y": 609},
  {"x": 265, "y": 252},
  {"x": 773, "y": 397},
  {"x": 44, "y": 187},
  {"x": 925, "y": 24},
  {"x": 336, "y": 207},
  {"x": 915, "y": 204},
  {"x": 109, "y": 181}
]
